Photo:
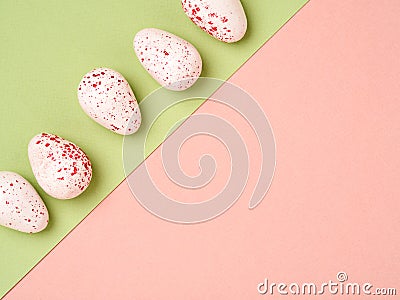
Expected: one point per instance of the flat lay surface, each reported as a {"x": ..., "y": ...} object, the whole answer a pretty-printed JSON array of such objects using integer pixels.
[
  {"x": 46, "y": 48},
  {"x": 328, "y": 84}
]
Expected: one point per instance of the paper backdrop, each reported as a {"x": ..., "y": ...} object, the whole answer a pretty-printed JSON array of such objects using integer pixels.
[{"x": 45, "y": 48}]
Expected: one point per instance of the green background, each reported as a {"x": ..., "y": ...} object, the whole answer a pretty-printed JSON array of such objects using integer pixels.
[{"x": 45, "y": 49}]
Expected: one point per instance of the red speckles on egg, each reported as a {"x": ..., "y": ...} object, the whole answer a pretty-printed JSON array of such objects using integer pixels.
[
  {"x": 21, "y": 208},
  {"x": 110, "y": 101},
  {"x": 171, "y": 61},
  {"x": 62, "y": 169},
  {"x": 223, "y": 19}
]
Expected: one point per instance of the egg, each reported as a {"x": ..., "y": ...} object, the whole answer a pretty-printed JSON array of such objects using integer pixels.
[
  {"x": 21, "y": 208},
  {"x": 107, "y": 98},
  {"x": 61, "y": 168},
  {"x": 223, "y": 19},
  {"x": 171, "y": 61}
]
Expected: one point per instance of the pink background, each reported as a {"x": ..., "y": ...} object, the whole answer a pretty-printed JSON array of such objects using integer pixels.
[{"x": 329, "y": 84}]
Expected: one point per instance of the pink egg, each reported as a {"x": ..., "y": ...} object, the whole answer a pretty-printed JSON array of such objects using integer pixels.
[
  {"x": 61, "y": 168},
  {"x": 106, "y": 97},
  {"x": 171, "y": 61},
  {"x": 223, "y": 19},
  {"x": 21, "y": 208}
]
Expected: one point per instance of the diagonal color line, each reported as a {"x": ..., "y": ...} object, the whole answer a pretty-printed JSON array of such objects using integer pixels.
[{"x": 194, "y": 112}]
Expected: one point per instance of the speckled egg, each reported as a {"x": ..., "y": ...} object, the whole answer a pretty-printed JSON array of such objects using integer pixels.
[
  {"x": 21, "y": 208},
  {"x": 61, "y": 168},
  {"x": 223, "y": 19},
  {"x": 107, "y": 98},
  {"x": 171, "y": 61}
]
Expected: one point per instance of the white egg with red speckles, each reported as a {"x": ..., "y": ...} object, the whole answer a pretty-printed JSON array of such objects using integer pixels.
[
  {"x": 21, "y": 208},
  {"x": 223, "y": 19},
  {"x": 107, "y": 98},
  {"x": 61, "y": 168},
  {"x": 171, "y": 61}
]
